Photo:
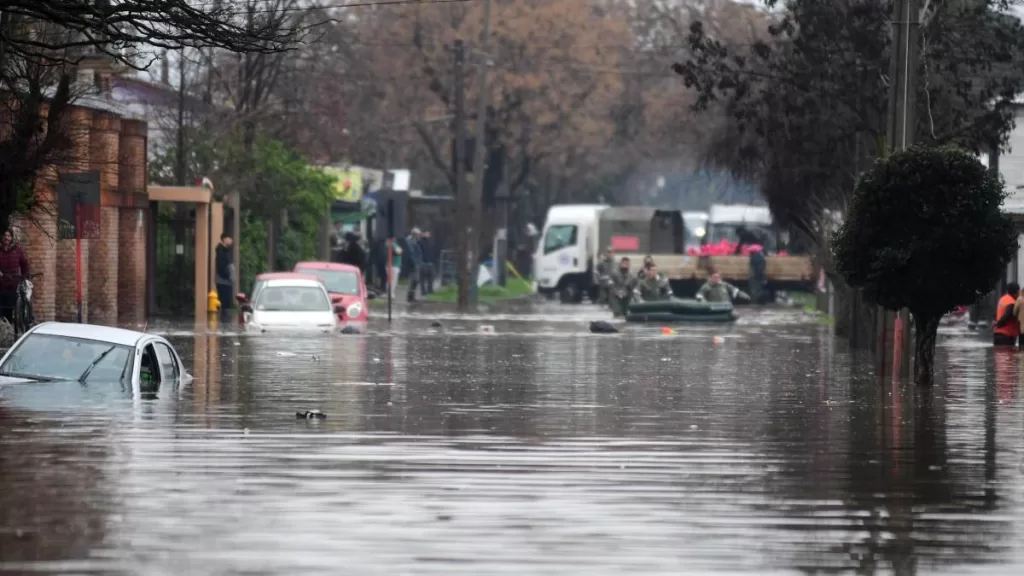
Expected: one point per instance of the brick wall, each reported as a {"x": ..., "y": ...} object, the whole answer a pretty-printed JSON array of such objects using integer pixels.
[
  {"x": 39, "y": 246},
  {"x": 103, "y": 252},
  {"x": 114, "y": 266},
  {"x": 104, "y": 268},
  {"x": 131, "y": 273},
  {"x": 80, "y": 126},
  {"x": 66, "y": 309}
]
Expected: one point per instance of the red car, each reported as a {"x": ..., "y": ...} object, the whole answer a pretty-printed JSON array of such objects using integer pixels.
[{"x": 345, "y": 284}]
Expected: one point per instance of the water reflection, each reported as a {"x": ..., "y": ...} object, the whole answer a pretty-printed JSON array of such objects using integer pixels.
[{"x": 539, "y": 449}]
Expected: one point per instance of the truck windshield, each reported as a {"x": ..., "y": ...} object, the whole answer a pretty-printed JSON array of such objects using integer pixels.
[{"x": 559, "y": 236}]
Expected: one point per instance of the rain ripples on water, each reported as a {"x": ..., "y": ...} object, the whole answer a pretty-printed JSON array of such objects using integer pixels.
[{"x": 536, "y": 449}]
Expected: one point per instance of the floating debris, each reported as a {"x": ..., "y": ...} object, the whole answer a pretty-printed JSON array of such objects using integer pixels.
[
  {"x": 602, "y": 327},
  {"x": 310, "y": 415}
]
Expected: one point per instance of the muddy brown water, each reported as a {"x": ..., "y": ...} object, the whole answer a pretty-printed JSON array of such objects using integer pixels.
[{"x": 538, "y": 449}]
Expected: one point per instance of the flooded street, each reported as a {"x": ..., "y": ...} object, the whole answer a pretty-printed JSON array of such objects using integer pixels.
[{"x": 537, "y": 449}]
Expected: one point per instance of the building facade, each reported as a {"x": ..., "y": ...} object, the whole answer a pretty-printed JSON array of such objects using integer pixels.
[{"x": 113, "y": 264}]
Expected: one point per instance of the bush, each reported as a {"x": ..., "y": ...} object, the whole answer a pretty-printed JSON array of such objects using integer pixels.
[{"x": 925, "y": 232}]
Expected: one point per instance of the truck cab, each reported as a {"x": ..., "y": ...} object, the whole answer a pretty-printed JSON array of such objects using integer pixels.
[
  {"x": 567, "y": 252},
  {"x": 725, "y": 219}
]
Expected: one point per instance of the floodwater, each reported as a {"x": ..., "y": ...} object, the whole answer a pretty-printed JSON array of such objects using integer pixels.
[{"x": 760, "y": 448}]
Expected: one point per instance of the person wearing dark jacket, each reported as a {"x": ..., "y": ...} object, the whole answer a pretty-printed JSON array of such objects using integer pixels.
[
  {"x": 224, "y": 266},
  {"x": 427, "y": 254},
  {"x": 353, "y": 253},
  {"x": 13, "y": 266},
  {"x": 415, "y": 257}
]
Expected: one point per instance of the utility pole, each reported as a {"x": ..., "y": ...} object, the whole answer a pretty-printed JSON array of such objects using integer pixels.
[
  {"x": 462, "y": 208},
  {"x": 479, "y": 153},
  {"x": 894, "y": 328}
]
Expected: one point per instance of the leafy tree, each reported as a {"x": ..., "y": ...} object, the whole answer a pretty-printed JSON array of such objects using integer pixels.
[
  {"x": 925, "y": 232},
  {"x": 285, "y": 182},
  {"x": 806, "y": 106}
]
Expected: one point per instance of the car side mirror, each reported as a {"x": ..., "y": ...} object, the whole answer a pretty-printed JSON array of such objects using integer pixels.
[
  {"x": 371, "y": 295},
  {"x": 240, "y": 298},
  {"x": 339, "y": 309},
  {"x": 246, "y": 307}
]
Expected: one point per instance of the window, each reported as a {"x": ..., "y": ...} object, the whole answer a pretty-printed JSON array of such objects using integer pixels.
[
  {"x": 149, "y": 369},
  {"x": 336, "y": 281},
  {"x": 559, "y": 236},
  {"x": 292, "y": 299},
  {"x": 168, "y": 364},
  {"x": 256, "y": 287},
  {"x": 49, "y": 357}
]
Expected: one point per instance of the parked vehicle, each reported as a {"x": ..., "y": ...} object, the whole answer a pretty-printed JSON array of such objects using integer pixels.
[
  {"x": 258, "y": 283},
  {"x": 291, "y": 303},
  {"x": 55, "y": 351},
  {"x": 566, "y": 255},
  {"x": 345, "y": 285}
]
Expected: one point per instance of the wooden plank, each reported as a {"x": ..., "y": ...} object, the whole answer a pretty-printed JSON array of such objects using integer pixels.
[{"x": 732, "y": 268}]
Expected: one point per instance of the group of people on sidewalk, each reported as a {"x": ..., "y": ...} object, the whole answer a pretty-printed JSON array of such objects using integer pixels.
[
  {"x": 618, "y": 287},
  {"x": 418, "y": 251}
]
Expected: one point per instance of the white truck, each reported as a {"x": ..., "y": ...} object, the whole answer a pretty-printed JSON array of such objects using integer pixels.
[
  {"x": 724, "y": 219},
  {"x": 568, "y": 251}
]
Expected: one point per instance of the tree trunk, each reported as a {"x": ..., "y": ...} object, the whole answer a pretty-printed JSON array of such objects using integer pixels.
[{"x": 926, "y": 326}]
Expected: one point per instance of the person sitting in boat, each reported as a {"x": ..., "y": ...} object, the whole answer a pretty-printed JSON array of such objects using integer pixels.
[
  {"x": 642, "y": 273},
  {"x": 654, "y": 287},
  {"x": 605, "y": 268},
  {"x": 714, "y": 290},
  {"x": 621, "y": 284}
]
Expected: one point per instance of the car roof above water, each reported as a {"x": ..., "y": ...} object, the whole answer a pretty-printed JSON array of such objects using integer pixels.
[
  {"x": 326, "y": 266},
  {"x": 109, "y": 334},
  {"x": 267, "y": 276},
  {"x": 298, "y": 282}
]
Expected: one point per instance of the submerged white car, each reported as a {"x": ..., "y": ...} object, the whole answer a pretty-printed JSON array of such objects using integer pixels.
[
  {"x": 290, "y": 304},
  {"x": 56, "y": 351}
]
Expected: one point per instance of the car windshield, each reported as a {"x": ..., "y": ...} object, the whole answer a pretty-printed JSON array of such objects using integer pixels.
[
  {"x": 336, "y": 281},
  {"x": 559, "y": 236},
  {"x": 292, "y": 299},
  {"x": 49, "y": 357}
]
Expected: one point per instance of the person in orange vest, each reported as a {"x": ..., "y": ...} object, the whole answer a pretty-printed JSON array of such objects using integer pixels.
[{"x": 1007, "y": 328}]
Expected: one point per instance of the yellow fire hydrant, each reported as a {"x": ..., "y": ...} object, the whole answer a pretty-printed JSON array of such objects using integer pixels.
[{"x": 212, "y": 304}]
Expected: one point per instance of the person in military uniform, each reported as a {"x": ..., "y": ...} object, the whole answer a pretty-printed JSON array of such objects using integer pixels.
[
  {"x": 620, "y": 285},
  {"x": 604, "y": 270},
  {"x": 714, "y": 290},
  {"x": 654, "y": 287},
  {"x": 641, "y": 274}
]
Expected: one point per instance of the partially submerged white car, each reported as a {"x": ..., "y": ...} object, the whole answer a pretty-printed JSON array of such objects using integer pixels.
[
  {"x": 291, "y": 304},
  {"x": 56, "y": 351}
]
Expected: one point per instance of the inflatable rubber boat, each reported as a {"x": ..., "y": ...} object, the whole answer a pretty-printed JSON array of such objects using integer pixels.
[{"x": 681, "y": 311}]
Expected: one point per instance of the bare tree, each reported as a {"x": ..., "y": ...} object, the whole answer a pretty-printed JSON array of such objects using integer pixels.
[{"x": 42, "y": 42}]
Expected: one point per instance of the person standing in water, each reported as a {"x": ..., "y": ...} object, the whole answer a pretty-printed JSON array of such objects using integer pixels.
[
  {"x": 715, "y": 290},
  {"x": 13, "y": 266},
  {"x": 1006, "y": 330}
]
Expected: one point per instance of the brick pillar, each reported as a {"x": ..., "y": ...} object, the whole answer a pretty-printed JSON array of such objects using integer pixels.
[
  {"x": 133, "y": 218},
  {"x": 131, "y": 273},
  {"x": 37, "y": 236},
  {"x": 79, "y": 126},
  {"x": 103, "y": 253}
]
